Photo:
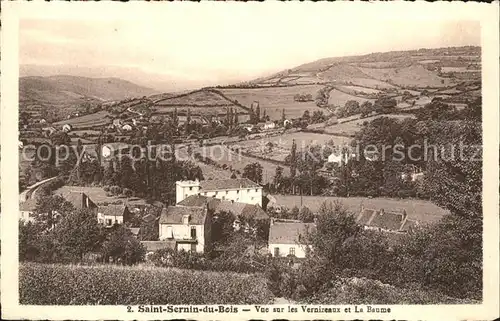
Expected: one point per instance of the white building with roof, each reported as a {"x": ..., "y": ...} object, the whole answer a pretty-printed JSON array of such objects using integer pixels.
[
  {"x": 240, "y": 190},
  {"x": 288, "y": 238}
]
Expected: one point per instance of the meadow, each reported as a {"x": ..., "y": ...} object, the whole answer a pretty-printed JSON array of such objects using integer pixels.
[
  {"x": 420, "y": 210},
  {"x": 274, "y": 100},
  {"x": 99, "y": 118},
  {"x": 351, "y": 127},
  {"x": 200, "y": 98},
  {"x": 224, "y": 156},
  {"x": 339, "y": 98},
  {"x": 41, "y": 284},
  {"x": 412, "y": 76}
]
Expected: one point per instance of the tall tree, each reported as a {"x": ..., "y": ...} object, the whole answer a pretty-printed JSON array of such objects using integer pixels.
[
  {"x": 253, "y": 172},
  {"x": 293, "y": 159},
  {"x": 257, "y": 112}
]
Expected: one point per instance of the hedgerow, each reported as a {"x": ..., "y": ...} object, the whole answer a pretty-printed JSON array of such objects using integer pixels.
[{"x": 41, "y": 284}]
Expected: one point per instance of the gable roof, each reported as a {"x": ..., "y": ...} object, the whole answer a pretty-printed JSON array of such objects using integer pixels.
[
  {"x": 289, "y": 233},
  {"x": 112, "y": 210},
  {"x": 221, "y": 184},
  {"x": 200, "y": 200},
  {"x": 387, "y": 220},
  {"x": 29, "y": 205},
  {"x": 391, "y": 221},
  {"x": 218, "y": 205},
  {"x": 78, "y": 199},
  {"x": 174, "y": 215}
]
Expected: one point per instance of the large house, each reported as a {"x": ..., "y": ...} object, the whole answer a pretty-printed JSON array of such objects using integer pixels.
[
  {"x": 240, "y": 211},
  {"x": 386, "y": 221},
  {"x": 110, "y": 215},
  {"x": 287, "y": 238},
  {"x": 188, "y": 227},
  {"x": 240, "y": 190}
]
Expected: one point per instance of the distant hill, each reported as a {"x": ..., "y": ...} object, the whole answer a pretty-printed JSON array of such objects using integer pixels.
[
  {"x": 63, "y": 94},
  {"x": 331, "y": 82}
]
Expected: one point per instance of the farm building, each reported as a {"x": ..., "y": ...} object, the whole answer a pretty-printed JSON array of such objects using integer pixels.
[
  {"x": 385, "y": 221},
  {"x": 189, "y": 227},
  {"x": 240, "y": 190},
  {"x": 110, "y": 215},
  {"x": 287, "y": 238}
]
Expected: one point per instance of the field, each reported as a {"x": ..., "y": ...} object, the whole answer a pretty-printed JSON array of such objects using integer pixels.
[
  {"x": 222, "y": 155},
  {"x": 338, "y": 98},
  {"x": 196, "y": 110},
  {"x": 96, "y": 194},
  {"x": 273, "y": 100},
  {"x": 101, "y": 118},
  {"x": 350, "y": 128},
  {"x": 420, "y": 210},
  {"x": 364, "y": 90},
  {"x": 303, "y": 140},
  {"x": 199, "y": 98},
  {"x": 415, "y": 75},
  {"x": 41, "y": 284}
]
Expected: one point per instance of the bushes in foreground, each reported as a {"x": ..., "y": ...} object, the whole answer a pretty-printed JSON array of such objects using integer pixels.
[{"x": 41, "y": 284}]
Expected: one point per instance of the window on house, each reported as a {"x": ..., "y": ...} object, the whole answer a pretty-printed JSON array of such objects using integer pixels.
[
  {"x": 216, "y": 193},
  {"x": 252, "y": 198},
  {"x": 238, "y": 191},
  {"x": 256, "y": 190},
  {"x": 190, "y": 188},
  {"x": 193, "y": 232},
  {"x": 248, "y": 190},
  {"x": 109, "y": 222},
  {"x": 170, "y": 235},
  {"x": 291, "y": 251},
  {"x": 227, "y": 192},
  {"x": 185, "y": 219},
  {"x": 205, "y": 193},
  {"x": 223, "y": 197},
  {"x": 276, "y": 252}
]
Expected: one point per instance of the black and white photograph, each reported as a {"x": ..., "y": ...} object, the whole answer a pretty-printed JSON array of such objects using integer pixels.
[{"x": 281, "y": 161}]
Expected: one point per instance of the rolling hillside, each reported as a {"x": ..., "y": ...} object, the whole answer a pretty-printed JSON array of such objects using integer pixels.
[{"x": 63, "y": 95}]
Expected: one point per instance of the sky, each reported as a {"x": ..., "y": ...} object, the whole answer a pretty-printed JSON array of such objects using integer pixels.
[{"x": 216, "y": 46}]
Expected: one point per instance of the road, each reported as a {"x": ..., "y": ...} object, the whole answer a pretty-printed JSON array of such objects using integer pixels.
[{"x": 31, "y": 190}]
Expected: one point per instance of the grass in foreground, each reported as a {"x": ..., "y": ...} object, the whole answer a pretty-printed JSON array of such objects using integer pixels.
[{"x": 42, "y": 284}]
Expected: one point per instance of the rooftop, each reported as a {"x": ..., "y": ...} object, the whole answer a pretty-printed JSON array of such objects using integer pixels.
[
  {"x": 174, "y": 215},
  {"x": 221, "y": 184},
  {"x": 289, "y": 233},
  {"x": 218, "y": 205},
  {"x": 112, "y": 210}
]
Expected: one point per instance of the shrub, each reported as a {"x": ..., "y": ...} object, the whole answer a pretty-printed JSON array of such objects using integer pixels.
[
  {"x": 106, "y": 188},
  {"x": 41, "y": 284},
  {"x": 116, "y": 190}
]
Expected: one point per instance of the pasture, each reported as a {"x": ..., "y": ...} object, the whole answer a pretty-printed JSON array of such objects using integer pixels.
[
  {"x": 196, "y": 110},
  {"x": 199, "y": 98},
  {"x": 339, "y": 98},
  {"x": 274, "y": 100},
  {"x": 222, "y": 155},
  {"x": 412, "y": 76},
  {"x": 364, "y": 90},
  {"x": 351, "y": 127},
  {"x": 420, "y": 210},
  {"x": 100, "y": 118}
]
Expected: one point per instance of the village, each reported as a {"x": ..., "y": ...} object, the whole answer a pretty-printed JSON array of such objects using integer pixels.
[{"x": 187, "y": 225}]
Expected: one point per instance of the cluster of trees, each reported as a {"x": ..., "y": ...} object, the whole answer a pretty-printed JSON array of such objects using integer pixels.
[
  {"x": 303, "y": 97},
  {"x": 63, "y": 234},
  {"x": 303, "y": 214},
  {"x": 257, "y": 116},
  {"x": 322, "y": 96},
  {"x": 317, "y": 117}
]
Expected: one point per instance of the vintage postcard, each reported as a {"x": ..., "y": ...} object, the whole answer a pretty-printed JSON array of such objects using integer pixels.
[{"x": 235, "y": 161}]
